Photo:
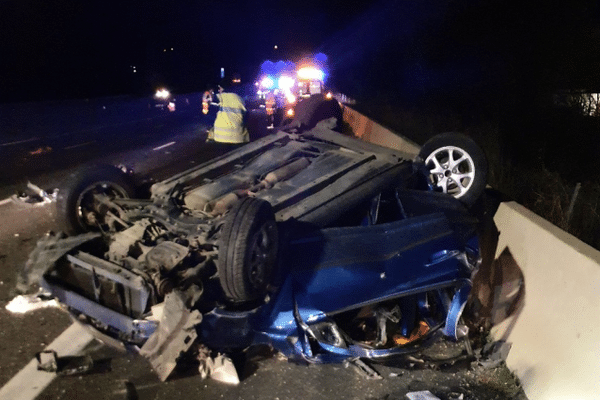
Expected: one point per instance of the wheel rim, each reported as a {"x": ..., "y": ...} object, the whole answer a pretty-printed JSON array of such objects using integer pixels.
[
  {"x": 452, "y": 170},
  {"x": 90, "y": 212},
  {"x": 262, "y": 254}
]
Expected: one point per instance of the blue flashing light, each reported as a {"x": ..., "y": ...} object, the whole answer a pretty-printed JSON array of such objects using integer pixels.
[{"x": 320, "y": 57}]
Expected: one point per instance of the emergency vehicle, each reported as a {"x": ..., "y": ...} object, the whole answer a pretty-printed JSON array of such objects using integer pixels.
[{"x": 280, "y": 89}]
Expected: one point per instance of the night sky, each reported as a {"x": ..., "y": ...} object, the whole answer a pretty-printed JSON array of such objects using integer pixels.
[{"x": 410, "y": 50}]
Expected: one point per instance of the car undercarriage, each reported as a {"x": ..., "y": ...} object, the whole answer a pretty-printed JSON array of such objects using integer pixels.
[{"x": 320, "y": 245}]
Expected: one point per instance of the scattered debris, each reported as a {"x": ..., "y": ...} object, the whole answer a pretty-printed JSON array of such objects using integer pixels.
[
  {"x": 33, "y": 195},
  {"x": 493, "y": 354},
  {"x": 49, "y": 361},
  {"x": 362, "y": 368},
  {"x": 22, "y": 304},
  {"x": 219, "y": 368},
  {"x": 422, "y": 395}
]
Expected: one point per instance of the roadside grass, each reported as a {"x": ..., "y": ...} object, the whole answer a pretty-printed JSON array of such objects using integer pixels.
[{"x": 568, "y": 201}]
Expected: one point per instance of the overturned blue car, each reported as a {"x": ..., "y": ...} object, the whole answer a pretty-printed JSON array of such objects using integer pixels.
[{"x": 323, "y": 246}]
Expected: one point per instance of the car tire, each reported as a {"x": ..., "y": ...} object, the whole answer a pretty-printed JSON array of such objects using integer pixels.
[
  {"x": 75, "y": 204},
  {"x": 455, "y": 165},
  {"x": 248, "y": 250}
]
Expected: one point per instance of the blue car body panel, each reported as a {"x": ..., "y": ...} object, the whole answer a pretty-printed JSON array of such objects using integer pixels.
[{"x": 336, "y": 270}]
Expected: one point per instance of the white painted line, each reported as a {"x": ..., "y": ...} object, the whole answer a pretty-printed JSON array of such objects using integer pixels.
[
  {"x": 164, "y": 145},
  {"x": 5, "y": 201},
  {"x": 79, "y": 145},
  {"x": 29, "y": 382},
  {"x": 19, "y": 142}
]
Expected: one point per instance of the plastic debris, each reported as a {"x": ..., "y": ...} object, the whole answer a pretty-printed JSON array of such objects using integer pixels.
[
  {"x": 25, "y": 303},
  {"x": 47, "y": 361},
  {"x": 219, "y": 368},
  {"x": 422, "y": 395},
  {"x": 175, "y": 335}
]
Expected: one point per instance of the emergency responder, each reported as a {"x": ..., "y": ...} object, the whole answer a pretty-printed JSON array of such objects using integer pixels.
[
  {"x": 229, "y": 126},
  {"x": 270, "y": 104}
]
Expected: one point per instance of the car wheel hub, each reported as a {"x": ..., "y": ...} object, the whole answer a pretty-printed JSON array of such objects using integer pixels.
[
  {"x": 452, "y": 170},
  {"x": 90, "y": 210},
  {"x": 262, "y": 254}
]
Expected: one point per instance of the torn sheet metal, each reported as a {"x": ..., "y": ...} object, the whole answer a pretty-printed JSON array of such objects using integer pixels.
[
  {"x": 499, "y": 290},
  {"x": 363, "y": 369},
  {"x": 48, "y": 250},
  {"x": 494, "y": 354},
  {"x": 175, "y": 334}
]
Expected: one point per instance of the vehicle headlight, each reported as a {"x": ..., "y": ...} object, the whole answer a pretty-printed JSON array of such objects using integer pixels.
[{"x": 162, "y": 94}]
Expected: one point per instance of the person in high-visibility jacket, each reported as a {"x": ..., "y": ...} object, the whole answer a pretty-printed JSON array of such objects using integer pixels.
[
  {"x": 230, "y": 124},
  {"x": 206, "y": 100}
]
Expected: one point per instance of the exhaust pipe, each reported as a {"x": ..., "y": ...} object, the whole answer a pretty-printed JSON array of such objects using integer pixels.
[{"x": 225, "y": 203}]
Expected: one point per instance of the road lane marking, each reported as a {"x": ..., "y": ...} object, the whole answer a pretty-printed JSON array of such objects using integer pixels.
[
  {"x": 29, "y": 382},
  {"x": 5, "y": 201},
  {"x": 19, "y": 142},
  {"x": 79, "y": 145},
  {"x": 163, "y": 146}
]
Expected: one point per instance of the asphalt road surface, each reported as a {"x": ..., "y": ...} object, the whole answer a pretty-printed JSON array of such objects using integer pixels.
[{"x": 156, "y": 147}]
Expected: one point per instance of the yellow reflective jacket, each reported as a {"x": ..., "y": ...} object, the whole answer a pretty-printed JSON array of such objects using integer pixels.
[{"x": 229, "y": 124}]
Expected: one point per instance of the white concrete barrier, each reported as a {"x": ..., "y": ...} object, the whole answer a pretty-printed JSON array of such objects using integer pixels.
[{"x": 555, "y": 336}]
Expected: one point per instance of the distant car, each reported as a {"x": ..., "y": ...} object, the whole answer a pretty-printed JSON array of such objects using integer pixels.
[
  {"x": 163, "y": 99},
  {"x": 321, "y": 245}
]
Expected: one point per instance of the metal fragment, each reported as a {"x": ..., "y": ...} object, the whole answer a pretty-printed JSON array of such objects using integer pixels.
[{"x": 363, "y": 369}]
